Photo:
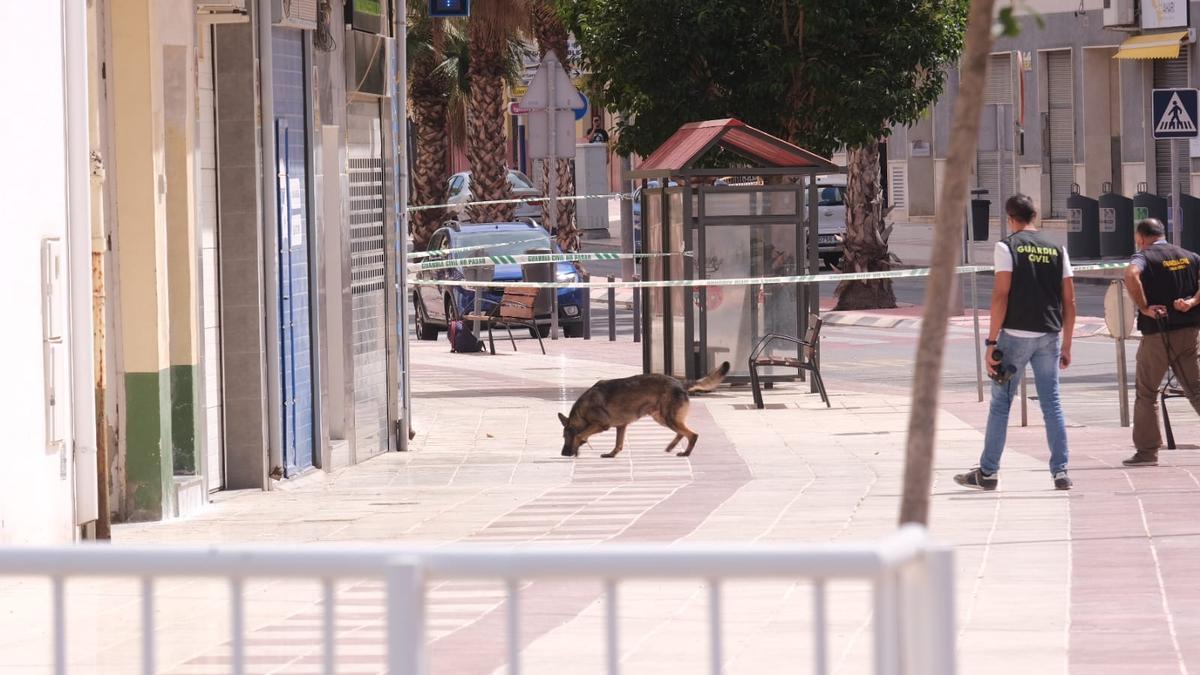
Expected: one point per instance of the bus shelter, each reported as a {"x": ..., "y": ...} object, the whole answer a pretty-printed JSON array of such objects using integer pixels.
[{"x": 753, "y": 221}]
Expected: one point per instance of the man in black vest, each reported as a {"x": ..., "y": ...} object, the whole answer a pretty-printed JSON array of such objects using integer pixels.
[
  {"x": 1163, "y": 281},
  {"x": 1033, "y": 301}
]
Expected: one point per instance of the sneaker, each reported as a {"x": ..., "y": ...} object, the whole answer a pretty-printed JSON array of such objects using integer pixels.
[
  {"x": 1062, "y": 481},
  {"x": 1141, "y": 459},
  {"x": 977, "y": 479}
]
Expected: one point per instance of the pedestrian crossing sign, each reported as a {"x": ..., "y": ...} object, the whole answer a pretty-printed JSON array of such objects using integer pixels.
[{"x": 1175, "y": 113}]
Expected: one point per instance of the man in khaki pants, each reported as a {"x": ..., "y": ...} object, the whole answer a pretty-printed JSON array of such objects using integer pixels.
[{"x": 1164, "y": 282}]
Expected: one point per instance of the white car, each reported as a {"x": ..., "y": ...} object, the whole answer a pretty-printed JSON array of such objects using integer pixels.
[
  {"x": 458, "y": 194},
  {"x": 831, "y": 217}
]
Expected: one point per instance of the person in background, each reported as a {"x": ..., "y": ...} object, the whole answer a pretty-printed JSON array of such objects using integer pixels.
[
  {"x": 596, "y": 134},
  {"x": 1164, "y": 284}
]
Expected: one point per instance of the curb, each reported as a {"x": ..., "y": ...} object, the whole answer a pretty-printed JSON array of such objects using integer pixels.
[{"x": 1094, "y": 327}]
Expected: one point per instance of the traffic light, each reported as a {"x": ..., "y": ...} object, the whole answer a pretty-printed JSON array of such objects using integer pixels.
[{"x": 449, "y": 8}]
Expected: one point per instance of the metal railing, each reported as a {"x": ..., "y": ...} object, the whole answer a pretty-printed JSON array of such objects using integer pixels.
[{"x": 913, "y": 588}]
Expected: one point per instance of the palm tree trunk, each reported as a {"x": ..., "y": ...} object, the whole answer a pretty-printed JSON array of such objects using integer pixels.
[
  {"x": 486, "y": 147},
  {"x": 552, "y": 36},
  {"x": 947, "y": 244},
  {"x": 866, "y": 240}
]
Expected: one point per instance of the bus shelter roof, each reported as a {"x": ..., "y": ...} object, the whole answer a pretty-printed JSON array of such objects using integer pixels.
[{"x": 770, "y": 155}]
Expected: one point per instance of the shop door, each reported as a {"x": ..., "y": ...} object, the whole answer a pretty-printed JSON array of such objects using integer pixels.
[
  {"x": 1061, "y": 121},
  {"x": 993, "y": 158},
  {"x": 295, "y": 327},
  {"x": 214, "y": 437}
]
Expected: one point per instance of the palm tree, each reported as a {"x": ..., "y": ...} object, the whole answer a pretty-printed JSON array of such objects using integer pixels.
[
  {"x": 947, "y": 242},
  {"x": 490, "y": 29},
  {"x": 551, "y": 34},
  {"x": 429, "y": 98}
]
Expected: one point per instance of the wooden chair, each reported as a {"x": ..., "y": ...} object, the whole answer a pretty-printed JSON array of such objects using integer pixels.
[
  {"x": 807, "y": 360},
  {"x": 517, "y": 307}
]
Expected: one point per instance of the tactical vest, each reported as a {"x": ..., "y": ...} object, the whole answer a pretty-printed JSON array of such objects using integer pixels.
[
  {"x": 1171, "y": 273},
  {"x": 1035, "y": 297}
]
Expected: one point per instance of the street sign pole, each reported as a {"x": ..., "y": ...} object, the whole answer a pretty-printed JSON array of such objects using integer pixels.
[
  {"x": 552, "y": 191},
  {"x": 1176, "y": 212}
]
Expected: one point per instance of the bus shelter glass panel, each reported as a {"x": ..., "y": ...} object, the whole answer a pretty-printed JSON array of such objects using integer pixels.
[
  {"x": 679, "y": 294},
  {"x": 721, "y": 203},
  {"x": 738, "y": 316},
  {"x": 652, "y": 243}
]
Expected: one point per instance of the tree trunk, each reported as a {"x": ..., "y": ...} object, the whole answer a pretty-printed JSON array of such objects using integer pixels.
[
  {"x": 866, "y": 240},
  {"x": 486, "y": 147},
  {"x": 947, "y": 245},
  {"x": 552, "y": 36},
  {"x": 430, "y": 97}
]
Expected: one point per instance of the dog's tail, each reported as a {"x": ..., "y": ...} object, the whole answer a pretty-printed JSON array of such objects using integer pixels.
[{"x": 709, "y": 382}]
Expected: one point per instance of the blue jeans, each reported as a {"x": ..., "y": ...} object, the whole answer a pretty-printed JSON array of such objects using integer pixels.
[{"x": 1042, "y": 353}]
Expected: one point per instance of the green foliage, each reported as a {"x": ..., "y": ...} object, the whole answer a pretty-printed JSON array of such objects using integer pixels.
[{"x": 821, "y": 73}]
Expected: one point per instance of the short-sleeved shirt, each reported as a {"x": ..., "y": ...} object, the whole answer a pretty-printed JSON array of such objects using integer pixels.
[
  {"x": 1139, "y": 259},
  {"x": 1002, "y": 260}
]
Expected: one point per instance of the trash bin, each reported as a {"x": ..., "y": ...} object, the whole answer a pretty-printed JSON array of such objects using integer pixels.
[
  {"x": 1190, "y": 238},
  {"x": 1146, "y": 205},
  {"x": 1116, "y": 224},
  {"x": 980, "y": 215},
  {"x": 1083, "y": 226}
]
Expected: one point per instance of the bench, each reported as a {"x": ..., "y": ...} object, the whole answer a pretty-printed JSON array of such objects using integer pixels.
[
  {"x": 517, "y": 307},
  {"x": 806, "y": 362}
]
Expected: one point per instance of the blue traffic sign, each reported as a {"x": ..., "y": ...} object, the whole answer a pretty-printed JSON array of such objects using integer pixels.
[
  {"x": 449, "y": 8},
  {"x": 1175, "y": 113},
  {"x": 581, "y": 112}
]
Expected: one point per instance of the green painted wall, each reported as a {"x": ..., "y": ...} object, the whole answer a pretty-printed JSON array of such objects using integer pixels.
[
  {"x": 183, "y": 420},
  {"x": 149, "y": 456}
]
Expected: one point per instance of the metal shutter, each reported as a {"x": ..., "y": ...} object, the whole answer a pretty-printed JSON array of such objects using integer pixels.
[
  {"x": 1171, "y": 73},
  {"x": 898, "y": 187},
  {"x": 209, "y": 282},
  {"x": 368, "y": 257},
  {"x": 1061, "y": 122},
  {"x": 993, "y": 157}
]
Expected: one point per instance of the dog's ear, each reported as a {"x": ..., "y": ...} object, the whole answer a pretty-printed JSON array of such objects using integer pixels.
[{"x": 562, "y": 418}]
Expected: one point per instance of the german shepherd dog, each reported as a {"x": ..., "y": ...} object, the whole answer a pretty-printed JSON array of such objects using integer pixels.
[{"x": 618, "y": 403}]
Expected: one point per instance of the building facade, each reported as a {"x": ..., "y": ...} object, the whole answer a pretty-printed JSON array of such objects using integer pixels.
[
  {"x": 1065, "y": 104},
  {"x": 210, "y": 253}
]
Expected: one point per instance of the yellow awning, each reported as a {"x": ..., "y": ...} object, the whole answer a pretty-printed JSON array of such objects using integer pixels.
[{"x": 1156, "y": 46}]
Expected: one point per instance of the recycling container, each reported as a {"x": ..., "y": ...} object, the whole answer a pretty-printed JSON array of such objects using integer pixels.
[
  {"x": 1083, "y": 226},
  {"x": 1116, "y": 224}
]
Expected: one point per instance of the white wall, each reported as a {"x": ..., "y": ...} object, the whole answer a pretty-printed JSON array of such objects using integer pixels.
[{"x": 35, "y": 498}]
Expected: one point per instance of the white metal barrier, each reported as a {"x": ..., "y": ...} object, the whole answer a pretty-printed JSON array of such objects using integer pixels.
[{"x": 913, "y": 582}]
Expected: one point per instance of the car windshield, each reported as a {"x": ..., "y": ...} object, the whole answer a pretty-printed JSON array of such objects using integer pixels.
[
  {"x": 518, "y": 180},
  {"x": 502, "y": 243},
  {"x": 832, "y": 195}
]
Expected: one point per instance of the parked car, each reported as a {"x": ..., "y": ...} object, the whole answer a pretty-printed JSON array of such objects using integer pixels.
[
  {"x": 436, "y": 306},
  {"x": 458, "y": 194},
  {"x": 831, "y": 217},
  {"x": 637, "y": 212}
]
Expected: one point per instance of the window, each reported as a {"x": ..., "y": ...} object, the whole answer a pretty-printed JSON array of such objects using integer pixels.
[
  {"x": 831, "y": 195},
  {"x": 504, "y": 243},
  {"x": 518, "y": 181}
]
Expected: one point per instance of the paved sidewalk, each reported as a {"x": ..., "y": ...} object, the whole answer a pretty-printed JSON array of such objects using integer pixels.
[{"x": 1093, "y": 581}]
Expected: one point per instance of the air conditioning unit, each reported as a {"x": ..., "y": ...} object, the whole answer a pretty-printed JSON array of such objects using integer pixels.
[
  {"x": 1120, "y": 13},
  {"x": 300, "y": 14},
  {"x": 220, "y": 6}
]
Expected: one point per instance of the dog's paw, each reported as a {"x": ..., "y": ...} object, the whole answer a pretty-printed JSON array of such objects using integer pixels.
[
  {"x": 685, "y": 453},
  {"x": 609, "y": 455}
]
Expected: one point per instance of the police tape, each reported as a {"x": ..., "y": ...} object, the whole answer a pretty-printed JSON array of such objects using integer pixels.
[
  {"x": 417, "y": 255},
  {"x": 522, "y": 200},
  {"x": 700, "y": 283},
  {"x": 482, "y": 261}
]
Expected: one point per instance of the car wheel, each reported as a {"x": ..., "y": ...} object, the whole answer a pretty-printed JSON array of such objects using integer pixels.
[
  {"x": 831, "y": 261},
  {"x": 425, "y": 331},
  {"x": 573, "y": 330},
  {"x": 451, "y": 312},
  {"x": 540, "y": 331}
]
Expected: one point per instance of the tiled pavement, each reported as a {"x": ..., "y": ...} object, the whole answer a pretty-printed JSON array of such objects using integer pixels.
[{"x": 1098, "y": 580}]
